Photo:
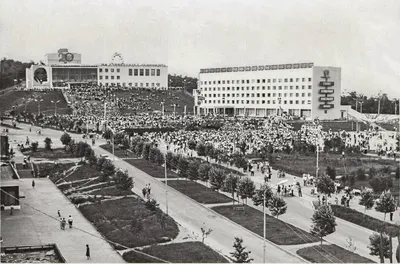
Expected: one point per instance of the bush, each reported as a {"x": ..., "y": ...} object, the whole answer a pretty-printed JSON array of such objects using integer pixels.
[
  {"x": 65, "y": 139},
  {"x": 152, "y": 205},
  {"x": 331, "y": 171},
  {"x": 380, "y": 184},
  {"x": 47, "y": 143},
  {"x": 34, "y": 146},
  {"x": 360, "y": 174}
]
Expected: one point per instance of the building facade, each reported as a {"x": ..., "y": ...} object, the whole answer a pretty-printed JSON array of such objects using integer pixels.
[
  {"x": 299, "y": 89},
  {"x": 62, "y": 69}
]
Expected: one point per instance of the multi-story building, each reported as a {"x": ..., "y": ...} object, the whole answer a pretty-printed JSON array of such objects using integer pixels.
[
  {"x": 64, "y": 68},
  {"x": 299, "y": 89}
]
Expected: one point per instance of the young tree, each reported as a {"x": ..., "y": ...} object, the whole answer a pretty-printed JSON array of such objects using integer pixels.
[
  {"x": 65, "y": 139},
  {"x": 107, "y": 170},
  {"x": 325, "y": 185},
  {"x": 47, "y": 143},
  {"x": 125, "y": 143},
  {"x": 203, "y": 172},
  {"x": 246, "y": 188},
  {"x": 123, "y": 181},
  {"x": 160, "y": 158},
  {"x": 205, "y": 233},
  {"x": 34, "y": 146},
  {"x": 331, "y": 172},
  {"x": 230, "y": 185},
  {"x": 385, "y": 204},
  {"x": 258, "y": 197},
  {"x": 240, "y": 254},
  {"x": 375, "y": 244},
  {"x": 277, "y": 206},
  {"x": 92, "y": 158},
  {"x": 183, "y": 165},
  {"x": 153, "y": 155},
  {"x": 324, "y": 223},
  {"x": 201, "y": 149},
  {"x": 152, "y": 205},
  {"x": 192, "y": 171},
  {"x": 146, "y": 151},
  {"x": 100, "y": 163},
  {"x": 367, "y": 200},
  {"x": 175, "y": 161},
  {"x": 139, "y": 148},
  {"x": 217, "y": 177},
  {"x": 169, "y": 159}
]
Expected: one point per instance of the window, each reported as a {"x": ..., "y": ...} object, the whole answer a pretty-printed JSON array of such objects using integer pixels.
[
  {"x": 303, "y": 102},
  {"x": 152, "y": 84},
  {"x": 135, "y": 72},
  {"x": 118, "y": 70},
  {"x": 141, "y": 72},
  {"x": 112, "y": 70},
  {"x": 303, "y": 87},
  {"x": 100, "y": 70},
  {"x": 135, "y": 84},
  {"x": 112, "y": 77},
  {"x": 280, "y": 80},
  {"x": 248, "y": 81},
  {"x": 258, "y": 80},
  {"x": 291, "y": 79},
  {"x": 263, "y": 81},
  {"x": 263, "y": 101},
  {"x": 303, "y": 79},
  {"x": 303, "y": 94},
  {"x": 147, "y": 72},
  {"x": 153, "y": 73},
  {"x": 106, "y": 77},
  {"x": 118, "y": 77},
  {"x": 147, "y": 84},
  {"x": 223, "y": 82},
  {"x": 309, "y": 102},
  {"x": 106, "y": 70},
  {"x": 274, "y": 80},
  {"x": 227, "y": 82},
  {"x": 309, "y": 79},
  {"x": 291, "y": 102},
  {"x": 101, "y": 77},
  {"x": 269, "y": 80},
  {"x": 297, "y": 79},
  {"x": 130, "y": 72},
  {"x": 130, "y": 84},
  {"x": 309, "y": 94},
  {"x": 297, "y": 101},
  {"x": 219, "y": 82},
  {"x": 286, "y": 80},
  {"x": 309, "y": 87},
  {"x": 280, "y": 87},
  {"x": 158, "y": 72}
]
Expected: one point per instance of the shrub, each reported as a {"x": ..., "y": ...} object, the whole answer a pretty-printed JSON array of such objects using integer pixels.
[
  {"x": 360, "y": 174},
  {"x": 34, "y": 146},
  {"x": 152, "y": 205},
  {"x": 65, "y": 139},
  {"x": 47, "y": 143}
]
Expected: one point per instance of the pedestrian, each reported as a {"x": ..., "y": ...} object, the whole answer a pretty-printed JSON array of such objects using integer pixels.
[
  {"x": 144, "y": 191},
  {"x": 391, "y": 216},
  {"x": 33, "y": 183},
  {"x": 63, "y": 223},
  {"x": 87, "y": 251},
  {"x": 70, "y": 220},
  {"x": 149, "y": 189},
  {"x": 58, "y": 212}
]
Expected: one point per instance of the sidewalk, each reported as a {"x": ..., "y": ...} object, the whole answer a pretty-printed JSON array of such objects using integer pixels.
[{"x": 30, "y": 227}]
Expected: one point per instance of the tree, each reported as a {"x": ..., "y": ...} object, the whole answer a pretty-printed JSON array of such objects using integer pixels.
[
  {"x": 331, "y": 172},
  {"x": 139, "y": 148},
  {"x": 205, "y": 233},
  {"x": 380, "y": 184},
  {"x": 240, "y": 254},
  {"x": 258, "y": 197},
  {"x": 100, "y": 163},
  {"x": 246, "y": 188},
  {"x": 92, "y": 158},
  {"x": 152, "y": 205},
  {"x": 192, "y": 171},
  {"x": 242, "y": 146},
  {"x": 47, "y": 143},
  {"x": 146, "y": 151},
  {"x": 367, "y": 200},
  {"x": 217, "y": 177},
  {"x": 34, "y": 146},
  {"x": 324, "y": 222},
  {"x": 192, "y": 144},
  {"x": 209, "y": 150},
  {"x": 125, "y": 143},
  {"x": 325, "y": 185},
  {"x": 203, "y": 171},
  {"x": 153, "y": 155},
  {"x": 360, "y": 174},
  {"x": 65, "y": 139},
  {"x": 230, "y": 185},
  {"x": 169, "y": 159},
  {"x": 107, "y": 169},
  {"x": 160, "y": 158},
  {"x": 183, "y": 165},
  {"x": 385, "y": 204},
  {"x": 201, "y": 149},
  {"x": 123, "y": 181},
  {"x": 277, "y": 206},
  {"x": 375, "y": 244}
]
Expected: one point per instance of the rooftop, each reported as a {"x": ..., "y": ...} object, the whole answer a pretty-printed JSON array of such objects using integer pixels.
[{"x": 259, "y": 68}]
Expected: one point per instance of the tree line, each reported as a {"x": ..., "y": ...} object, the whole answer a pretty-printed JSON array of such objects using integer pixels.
[{"x": 370, "y": 104}]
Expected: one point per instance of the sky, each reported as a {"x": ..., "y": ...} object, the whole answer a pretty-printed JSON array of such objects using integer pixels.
[{"x": 360, "y": 36}]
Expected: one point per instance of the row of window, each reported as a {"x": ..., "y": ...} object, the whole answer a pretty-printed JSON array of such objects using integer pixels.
[
  {"x": 260, "y": 95},
  {"x": 137, "y": 84},
  {"x": 279, "y": 80},
  {"x": 291, "y": 87},
  {"x": 137, "y": 72},
  {"x": 145, "y": 72},
  {"x": 285, "y": 102},
  {"x": 111, "y": 77}
]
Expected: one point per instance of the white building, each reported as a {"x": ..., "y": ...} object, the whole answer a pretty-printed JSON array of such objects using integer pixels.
[
  {"x": 299, "y": 89},
  {"x": 64, "y": 68}
]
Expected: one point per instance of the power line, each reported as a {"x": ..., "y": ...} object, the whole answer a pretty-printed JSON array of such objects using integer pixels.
[{"x": 103, "y": 238}]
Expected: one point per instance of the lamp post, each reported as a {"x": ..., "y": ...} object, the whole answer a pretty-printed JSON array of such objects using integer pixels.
[
  {"x": 55, "y": 106},
  {"x": 36, "y": 100},
  {"x": 166, "y": 184},
  {"x": 264, "y": 225},
  {"x": 162, "y": 108},
  {"x": 174, "y": 109}
]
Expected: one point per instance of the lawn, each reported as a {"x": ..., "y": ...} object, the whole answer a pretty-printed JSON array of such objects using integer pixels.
[
  {"x": 51, "y": 169},
  {"x": 277, "y": 231},
  {"x": 152, "y": 169},
  {"x": 319, "y": 254},
  {"x": 57, "y": 153},
  {"x": 112, "y": 191},
  {"x": 120, "y": 153},
  {"x": 186, "y": 252},
  {"x": 128, "y": 222},
  {"x": 366, "y": 221},
  {"x": 83, "y": 172},
  {"x": 199, "y": 192}
]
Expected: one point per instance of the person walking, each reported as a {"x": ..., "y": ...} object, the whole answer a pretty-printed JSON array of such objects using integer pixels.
[
  {"x": 149, "y": 189},
  {"x": 63, "y": 223},
  {"x": 58, "y": 212},
  {"x": 33, "y": 183},
  {"x": 70, "y": 220},
  {"x": 144, "y": 191},
  {"x": 87, "y": 251}
]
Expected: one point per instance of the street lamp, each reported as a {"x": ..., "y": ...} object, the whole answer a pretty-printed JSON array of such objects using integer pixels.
[
  {"x": 36, "y": 100},
  {"x": 55, "y": 105},
  {"x": 162, "y": 108}
]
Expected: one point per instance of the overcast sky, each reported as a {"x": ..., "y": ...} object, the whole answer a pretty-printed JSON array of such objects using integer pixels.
[{"x": 361, "y": 36}]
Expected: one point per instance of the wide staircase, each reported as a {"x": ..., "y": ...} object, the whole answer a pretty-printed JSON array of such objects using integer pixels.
[{"x": 24, "y": 172}]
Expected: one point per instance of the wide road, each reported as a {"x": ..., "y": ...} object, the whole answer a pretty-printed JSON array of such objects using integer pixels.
[{"x": 185, "y": 211}]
